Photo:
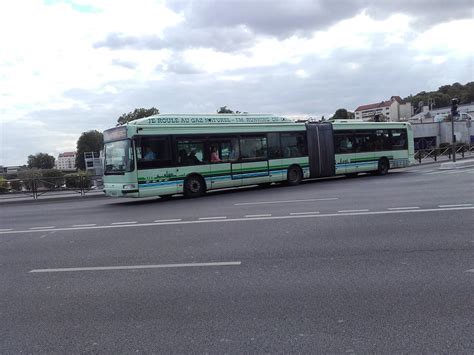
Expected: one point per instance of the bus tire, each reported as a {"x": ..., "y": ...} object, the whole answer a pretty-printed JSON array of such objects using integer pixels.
[
  {"x": 383, "y": 166},
  {"x": 194, "y": 186},
  {"x": 294, "y": 175}
]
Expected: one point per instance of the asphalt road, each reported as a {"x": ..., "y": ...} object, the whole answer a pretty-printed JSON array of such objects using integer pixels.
[{"x": 369, "y": 264}]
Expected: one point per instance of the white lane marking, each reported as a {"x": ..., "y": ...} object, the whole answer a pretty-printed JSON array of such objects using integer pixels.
[
  {"x": 133, "y": 267},
  {"x": 85, "y": 225},
  {"x": 460, "y": 205},
  {"x": 118, "y": 223},
  {"x": 402, "y": 208},
  {"x": 50, "y": 227},
  {"x": 302, "y": 213},
  {"x": 257, "y": 215},
  {"x": 168, "y": 220},
  {"x": 346, "y": 211},
  {"x": 472, "y": 270},
  {"x": 6, "y": 230},
  {"x": 285, "y": 201},
  {"x": 220, "y": 217},
  {"x": 251, "y": 219}
]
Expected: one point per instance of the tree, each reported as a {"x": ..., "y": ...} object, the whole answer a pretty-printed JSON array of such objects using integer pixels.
[
  {"x": 41, "y": 161},
  {"x": 343, "y": 114},
  {"x": 52, "y": 178},
  {"x": 224, "y": 109},
  {"x": 91, "y": 141},
  {"x": 3, "y": 185},
  {"x": 136, "y": 114}
]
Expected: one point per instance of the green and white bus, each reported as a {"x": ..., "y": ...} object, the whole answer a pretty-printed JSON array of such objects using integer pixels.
[{"x": 163, "y": 155}]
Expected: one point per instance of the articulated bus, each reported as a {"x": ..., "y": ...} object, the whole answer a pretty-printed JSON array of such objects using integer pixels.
[{"x": 163, "y": 155}]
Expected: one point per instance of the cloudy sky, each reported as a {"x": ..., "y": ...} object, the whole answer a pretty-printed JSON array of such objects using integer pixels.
[{"x": 76, "y": 65}]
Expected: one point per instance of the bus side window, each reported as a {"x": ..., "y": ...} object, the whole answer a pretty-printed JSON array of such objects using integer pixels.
[
  {"x": 293, "y": 144},
  {"x": 190, "y": 152},
  {"x": 253, "y": 148},
  {"x": 399, "y": 138},
  {"x": 227, "y": 149},
  {"x": 274, "y": 149},
  {"x": 153, "y": 152},
  {"x": 383, "y": 140},
  {"x": 344, "y": 143}
]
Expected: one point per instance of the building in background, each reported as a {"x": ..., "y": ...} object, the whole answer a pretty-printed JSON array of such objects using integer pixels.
[
  {"x": 391, "y": 110},
  {"x": 66, "y": 161}
]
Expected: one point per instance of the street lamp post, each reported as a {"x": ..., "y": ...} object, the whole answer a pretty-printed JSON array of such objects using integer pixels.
[{"x": 454, "y": 113}]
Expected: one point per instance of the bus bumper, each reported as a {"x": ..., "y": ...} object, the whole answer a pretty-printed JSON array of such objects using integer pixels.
[{"x": 120, "y": 190}]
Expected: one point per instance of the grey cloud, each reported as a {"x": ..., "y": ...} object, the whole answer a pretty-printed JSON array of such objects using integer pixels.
[
  {"x": 124, "y": 63},
  {"x": 230, "y": 26},
  {"x": 223, "y": 39},
  {"x": 283, "y": 18},
  {"x": 427, "y": 12},
  {"x": 178, "y": 65},
  {"x": 278, "y": 18}
]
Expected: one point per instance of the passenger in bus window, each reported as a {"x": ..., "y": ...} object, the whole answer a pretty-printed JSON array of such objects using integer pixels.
[
  {"x": 215, "y": 155},
  {"x": 149, "y": 154},
  {"x": 192, "y": 159}
]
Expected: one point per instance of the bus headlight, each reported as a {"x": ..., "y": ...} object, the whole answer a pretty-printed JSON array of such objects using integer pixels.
[{"x": 129, "y": 187}]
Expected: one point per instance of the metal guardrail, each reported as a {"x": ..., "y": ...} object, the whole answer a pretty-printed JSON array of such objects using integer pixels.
[
  {"x": 36, "y": 187},
  {"x": 445, "y": 151}
]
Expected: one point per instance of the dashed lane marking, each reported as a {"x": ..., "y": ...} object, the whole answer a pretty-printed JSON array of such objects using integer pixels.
[
  {"x": 471, "y": 270},
  {"x": 134, "y": 267},
  {"x": 50, "y": 227},
  {"x": 85, "y": 225},
  {"x": 219, "y": 217},
  {"x": 346, "y": 211},
  {"x": 302, "y": 213},
  {"x": 119, "y": 223},
  {"x": 285, "y": 201},
  {"x": 229, "y": 220},
  {"x": 460, "y": 205},
  {"x": 168, "y": 220},
  {"x": 403, "y": 208},
  {"x": 257, "y": 215},
  {"x": 6, "y": 230}
]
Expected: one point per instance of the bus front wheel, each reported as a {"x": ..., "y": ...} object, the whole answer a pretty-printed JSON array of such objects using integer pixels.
[
  {"x": 294, "y": 175},
  {"x": 194, "y": 186},
  {"x": 383, "y": 166}
]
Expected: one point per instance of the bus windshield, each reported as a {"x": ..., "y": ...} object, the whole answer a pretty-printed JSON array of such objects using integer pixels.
[{"x": 118, "y": 157}]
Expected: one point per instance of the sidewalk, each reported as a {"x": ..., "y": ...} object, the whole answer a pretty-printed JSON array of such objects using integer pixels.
[
  {"x": 443, "y": 159},
  {"x": 49, "y": 196},
  {"x": 459, "y": 164}
]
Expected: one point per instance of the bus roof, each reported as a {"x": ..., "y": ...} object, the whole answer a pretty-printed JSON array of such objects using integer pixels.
[{"x": 199, "y": 119}]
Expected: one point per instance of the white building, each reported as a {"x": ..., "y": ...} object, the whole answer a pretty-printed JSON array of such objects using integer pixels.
[
  {"x": 66, "y": 161},
  {"x": 391, "y": 110}
]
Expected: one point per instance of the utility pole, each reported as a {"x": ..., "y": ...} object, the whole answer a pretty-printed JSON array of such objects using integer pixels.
[{"x": 454, "y": 113}]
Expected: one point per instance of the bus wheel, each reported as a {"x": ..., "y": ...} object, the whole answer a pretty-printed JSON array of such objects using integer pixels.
[
  {"x": 383, "y": 166},
  {"x": 194, "y": 186},
  {"x": 294, "y": 175}
]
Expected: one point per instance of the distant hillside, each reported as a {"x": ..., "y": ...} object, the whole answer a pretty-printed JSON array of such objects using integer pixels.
[{"x": 442, "y": 97}]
